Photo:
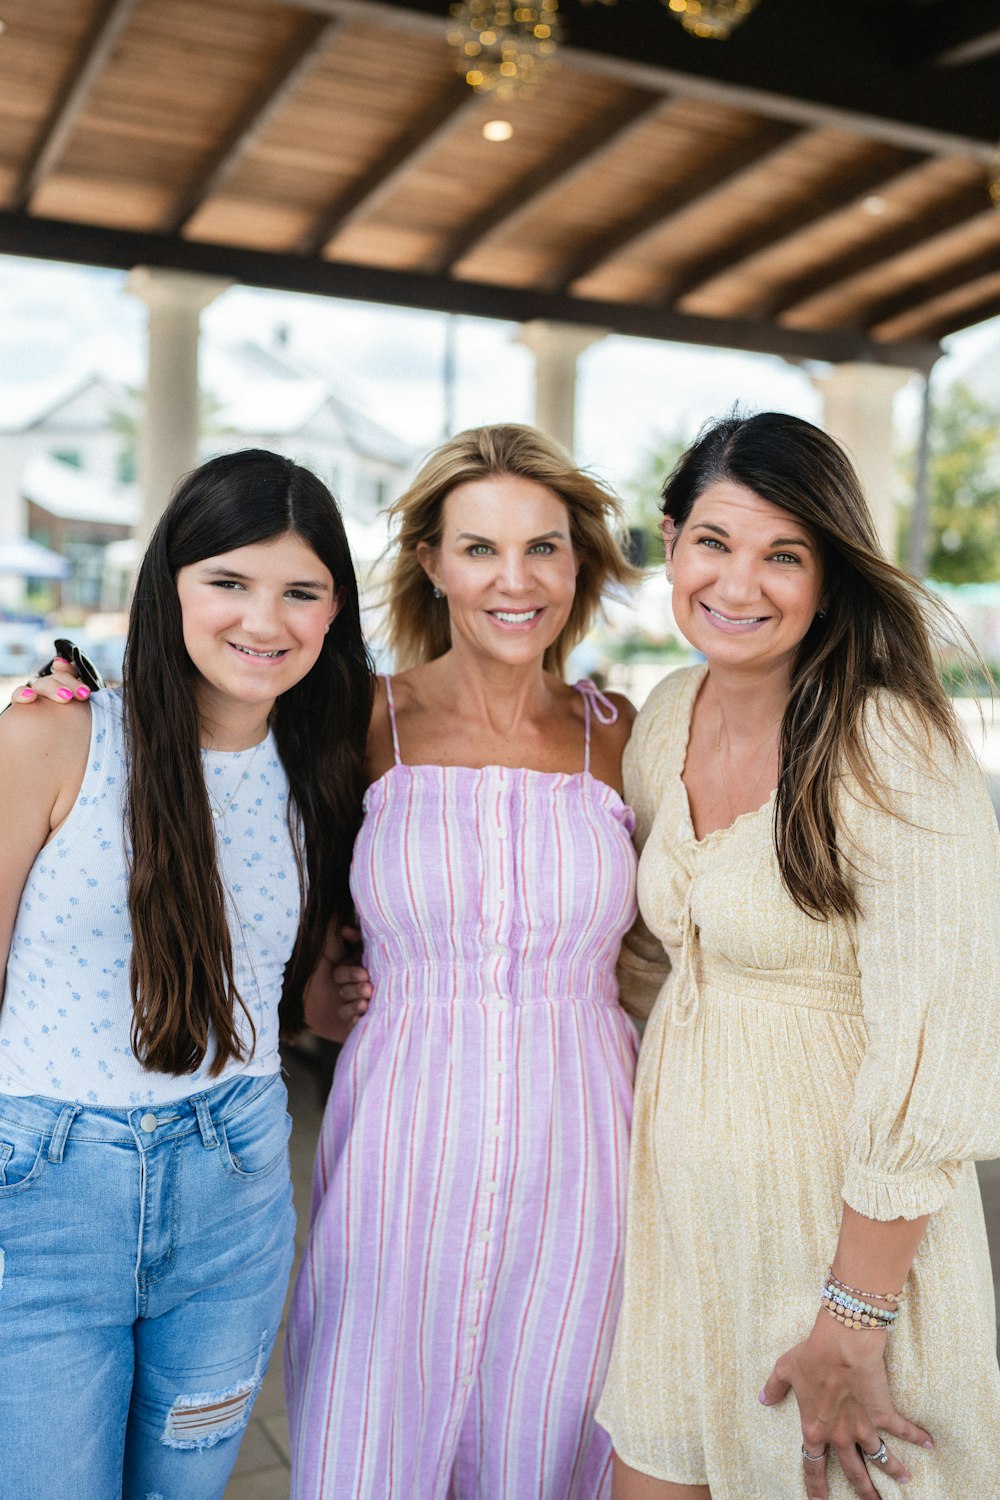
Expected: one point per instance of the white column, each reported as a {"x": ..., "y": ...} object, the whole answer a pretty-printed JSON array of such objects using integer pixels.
[
  {"x": 557, "y": 347},
  {"x": 857, "y": 410},
  {"x": 171, "y": 422}
]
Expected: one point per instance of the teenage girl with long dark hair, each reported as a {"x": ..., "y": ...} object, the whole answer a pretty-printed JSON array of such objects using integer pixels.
[{"x": 170, "y": 866}]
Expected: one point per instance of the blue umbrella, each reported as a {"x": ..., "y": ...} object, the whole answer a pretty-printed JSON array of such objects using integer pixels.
[{"x": 26, "y": 559}]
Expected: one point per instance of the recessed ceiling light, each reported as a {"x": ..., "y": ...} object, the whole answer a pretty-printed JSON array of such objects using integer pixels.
[{"x": 498, "y": 130}]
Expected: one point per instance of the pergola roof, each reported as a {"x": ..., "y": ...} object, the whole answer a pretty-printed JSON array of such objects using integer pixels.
[{"x": 816, "y": 186}]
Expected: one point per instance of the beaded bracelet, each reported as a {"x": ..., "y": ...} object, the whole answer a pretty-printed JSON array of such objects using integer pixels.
[
  {"x": 871, "y": 1325},
  {"x": 856, "y": 1314},
  {"x": 855, "y": 1291},
  {"x": 854, "y": 1304}
]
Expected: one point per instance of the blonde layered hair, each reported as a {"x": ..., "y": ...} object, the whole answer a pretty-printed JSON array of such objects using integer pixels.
[{"x": 418, "y": 628}]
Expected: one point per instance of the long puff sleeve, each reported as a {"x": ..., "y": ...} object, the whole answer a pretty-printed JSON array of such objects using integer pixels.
[
  {"x": 927, "y": 1096},
  {"x": 643, "y": 965}
]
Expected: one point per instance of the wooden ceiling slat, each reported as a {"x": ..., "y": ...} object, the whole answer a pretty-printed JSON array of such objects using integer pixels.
[
  {"x": 967, "y": 203},
  {"x": 400, "y": 158},
  {"x": 951, "y": 35},
  {"x": 300, "y": 56},
  {"x": 770, "y": 137},
  {"x": 979, "y": 312},
  {"x": 813, "y": 207},
  {"x": 88, "y": 63},
  {"x": 930, "y": 288},
  {"x": 559, "y": 170}
]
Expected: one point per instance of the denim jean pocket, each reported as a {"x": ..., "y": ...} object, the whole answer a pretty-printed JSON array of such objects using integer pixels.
[
  {"x": 22, "y": 1158},
  {"x": 255, "y": 1138}
]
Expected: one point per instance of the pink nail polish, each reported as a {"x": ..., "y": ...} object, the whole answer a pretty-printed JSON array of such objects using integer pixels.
[
  {"x": 928, "y": 1444},
  {"x": 64, "y": 694},
  {"x": 83, "y": 692},
  {"x": 27, "y": 693},
  {"x": 762, "y": 1397}
]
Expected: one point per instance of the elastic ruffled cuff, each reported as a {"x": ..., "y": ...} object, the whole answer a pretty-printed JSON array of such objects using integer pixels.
[{"x": 903, "y": 1195}]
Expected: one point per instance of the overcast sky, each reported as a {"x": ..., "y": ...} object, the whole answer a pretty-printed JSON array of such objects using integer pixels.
[{"x": 58, "y": 323}]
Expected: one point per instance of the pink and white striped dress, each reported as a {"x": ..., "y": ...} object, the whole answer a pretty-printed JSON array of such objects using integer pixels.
[{"x": 453, "y": 1316}]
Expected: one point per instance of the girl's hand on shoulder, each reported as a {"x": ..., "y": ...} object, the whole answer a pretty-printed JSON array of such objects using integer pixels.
[
  {"x": 62, "y": 685},
  {"x": 838, "y": 1378}
]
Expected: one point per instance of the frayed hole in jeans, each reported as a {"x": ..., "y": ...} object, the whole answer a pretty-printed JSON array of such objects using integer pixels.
[
  {"x": 1, "y": 1269},
  {"x": 202, "y": 1420}
]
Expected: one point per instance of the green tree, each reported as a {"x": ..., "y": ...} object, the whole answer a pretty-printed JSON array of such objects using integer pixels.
[
  {"x": 642, "y": 489},
  {"x": 963, "y": 488}
]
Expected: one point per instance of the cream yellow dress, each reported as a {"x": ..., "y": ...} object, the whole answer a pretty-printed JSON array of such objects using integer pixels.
[{"x": 790, "y": 1064}]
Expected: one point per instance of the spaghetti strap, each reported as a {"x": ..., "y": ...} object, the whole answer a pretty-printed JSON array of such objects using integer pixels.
[
  {"x": 604, "y": 711},
  {"x": 392, "y": 717}
]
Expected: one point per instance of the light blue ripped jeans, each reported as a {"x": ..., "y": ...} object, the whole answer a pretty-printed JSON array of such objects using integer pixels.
[{"x": 143, "y": 1260}]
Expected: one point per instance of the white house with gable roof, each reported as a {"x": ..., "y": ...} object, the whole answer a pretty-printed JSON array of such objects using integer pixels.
[{"x": 67, "y": 460}]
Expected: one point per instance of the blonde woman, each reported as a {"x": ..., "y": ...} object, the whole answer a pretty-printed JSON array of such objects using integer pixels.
[
  {"x": 452, "y": 1319},
  {"x": 808, "y": 1305}
]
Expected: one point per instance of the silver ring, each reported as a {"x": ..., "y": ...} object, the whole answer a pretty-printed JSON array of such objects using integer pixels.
[
  {"x": 880, "y": 1456},
  {"x": 812, "y": 1458}
]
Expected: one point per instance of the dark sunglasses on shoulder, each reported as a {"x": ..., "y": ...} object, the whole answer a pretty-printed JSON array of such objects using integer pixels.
[{"x": 85, "y": 669}]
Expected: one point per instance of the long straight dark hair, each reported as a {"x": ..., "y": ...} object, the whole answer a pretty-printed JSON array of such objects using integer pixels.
[
  {"x": 184, "y": 994},
  {"x": 878, "y": 630}
]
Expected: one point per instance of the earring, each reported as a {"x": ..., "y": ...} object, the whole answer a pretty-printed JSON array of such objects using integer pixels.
[
  {"x": 438, "y": 593},
  {"x": 821, "y": 614}
]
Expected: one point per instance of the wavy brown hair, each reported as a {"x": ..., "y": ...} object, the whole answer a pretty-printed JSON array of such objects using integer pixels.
[
  {"x": 184, "y": 994},
  {"x": 878, "y": 630},
  {"x": 418, "y": 628}
]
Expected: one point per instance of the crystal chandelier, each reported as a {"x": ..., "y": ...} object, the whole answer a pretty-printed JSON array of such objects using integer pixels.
[
  {"x": 711, "y": 18},
  {"x": 501, "y": 46}
]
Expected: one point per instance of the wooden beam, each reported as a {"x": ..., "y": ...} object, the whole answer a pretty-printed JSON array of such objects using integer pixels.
[
  {"x": 300, "y": 56},
  {"x": 559, "y": 170},
  {"x": 51, "y": 239},
  {"x": 805, "y": 214},
  {"x": 91, "y": 56},
  {"x": 728, "y": 164},
  {"x": 403, "y": 154},
  {"x": 956, "y": 210},
  {"x": 927, "y": 290}
]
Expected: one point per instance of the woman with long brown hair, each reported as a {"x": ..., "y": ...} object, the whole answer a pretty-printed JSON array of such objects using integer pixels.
[
  {"x": 171, "y": 862},
  {"x": 808, "y": 1304},
  {"x": 452, "y": 1318}
]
